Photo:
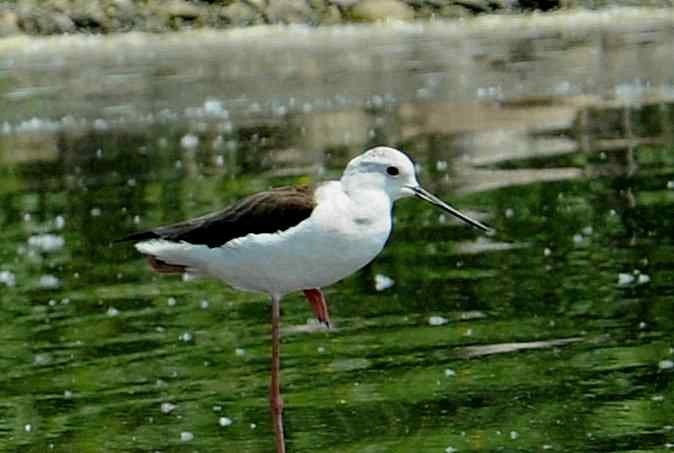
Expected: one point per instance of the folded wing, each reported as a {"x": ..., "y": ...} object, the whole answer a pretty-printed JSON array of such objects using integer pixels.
[{"x": 264, "y": 212}]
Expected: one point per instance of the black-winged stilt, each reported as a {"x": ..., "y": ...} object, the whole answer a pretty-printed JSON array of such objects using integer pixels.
[{"x": 293, "y": 239}]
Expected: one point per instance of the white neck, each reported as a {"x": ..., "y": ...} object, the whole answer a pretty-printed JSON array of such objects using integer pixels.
[{"x": 368, "y": 203}]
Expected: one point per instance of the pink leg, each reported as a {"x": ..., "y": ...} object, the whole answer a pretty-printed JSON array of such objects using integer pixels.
[
  {"x": 319, "y": 304},
  {"x": 275, "y": 399}
]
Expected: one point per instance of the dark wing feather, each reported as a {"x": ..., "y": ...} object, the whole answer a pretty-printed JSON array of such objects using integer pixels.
[{"x": 264, "y": 212}]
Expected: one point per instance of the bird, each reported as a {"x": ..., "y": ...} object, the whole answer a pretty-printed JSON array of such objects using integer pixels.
[{"x": 294, "y": 238}]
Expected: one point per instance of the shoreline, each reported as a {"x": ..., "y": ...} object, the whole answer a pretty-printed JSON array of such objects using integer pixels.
[{"x": 102, "y": 17}]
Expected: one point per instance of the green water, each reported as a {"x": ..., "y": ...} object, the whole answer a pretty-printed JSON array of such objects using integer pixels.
[{"x": 553, "y": 335}]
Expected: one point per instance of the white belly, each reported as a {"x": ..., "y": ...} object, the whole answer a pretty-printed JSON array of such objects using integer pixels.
[{"x": 282, "y": 265}]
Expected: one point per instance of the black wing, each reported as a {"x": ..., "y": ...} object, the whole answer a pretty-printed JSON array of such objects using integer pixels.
[{"x": 264, "y": 212}]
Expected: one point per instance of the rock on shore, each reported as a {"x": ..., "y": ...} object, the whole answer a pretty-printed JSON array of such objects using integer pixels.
[{"x": 47, "y": 17}]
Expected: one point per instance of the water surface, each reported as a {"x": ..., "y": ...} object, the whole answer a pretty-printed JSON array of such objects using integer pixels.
[{"x": 553, "y": 335}]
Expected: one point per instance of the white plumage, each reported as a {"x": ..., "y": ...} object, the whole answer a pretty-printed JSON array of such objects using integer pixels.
[
  {"x": 346, "y": 230},
  {"x": 343, "y": 234}
]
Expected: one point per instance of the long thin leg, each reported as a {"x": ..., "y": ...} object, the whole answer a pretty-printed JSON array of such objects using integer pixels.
[{"x": 275, "y": 399}]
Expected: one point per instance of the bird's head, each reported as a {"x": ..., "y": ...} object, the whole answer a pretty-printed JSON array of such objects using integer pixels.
[{"x": 391, "y": 171}]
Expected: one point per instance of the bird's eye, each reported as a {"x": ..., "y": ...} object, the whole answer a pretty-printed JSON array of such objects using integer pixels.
[{"x": 393, "y": 171}]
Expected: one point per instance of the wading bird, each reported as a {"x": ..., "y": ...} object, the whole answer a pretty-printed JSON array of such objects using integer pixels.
[{"x": 293, "y": 239}]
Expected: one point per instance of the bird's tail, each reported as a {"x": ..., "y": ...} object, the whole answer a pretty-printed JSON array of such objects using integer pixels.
[{"x": 168, "y": 257}]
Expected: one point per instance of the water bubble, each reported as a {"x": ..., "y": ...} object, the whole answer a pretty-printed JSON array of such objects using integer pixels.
[
  {"x": 7, "y": 278},
  {"x": 28, "y": 427},
  {"x": 167, "y": 408},
  {"x": 240, "y": 352},
  {"x": 189, "y": 141},
  {"x": 186, "y": 436},
  {"x": 95, "y": 212},
  {"x": 112, "y": 311},
  {"x": 214, "y": 107},
  {"x": 203, "y": 304},
  {"x": 449, "y": 372},
  {"x": 666, "y": 364},
  {"x": 59, "y": 222},
  {"x": 514, "y": 435},
  {"x": 49, "y": 282},
  {"x": 41, "y": 359},
  {"x": 171, "y": 302},
  {"x": 46, "y": 242},
  {"x": 224, "y": 421},
  {"x": 186, "y": 337},
  {"x": 382, "y": 282},
  {"x": 437, "y": 321},
  {"x": 625, "y": 279}
]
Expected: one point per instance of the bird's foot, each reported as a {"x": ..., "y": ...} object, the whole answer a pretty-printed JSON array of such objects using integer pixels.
[{"x": 319, "y": 305}]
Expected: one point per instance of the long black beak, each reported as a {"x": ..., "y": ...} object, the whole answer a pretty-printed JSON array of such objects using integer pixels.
[{"x": 427, "y": 196}]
